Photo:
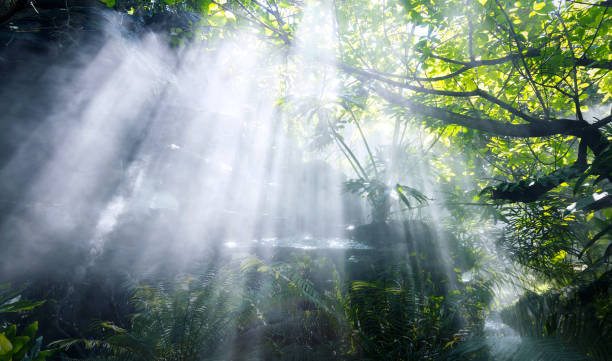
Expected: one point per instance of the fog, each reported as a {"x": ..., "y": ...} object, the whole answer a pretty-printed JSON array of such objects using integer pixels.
[{"x": 164, "y": 153}]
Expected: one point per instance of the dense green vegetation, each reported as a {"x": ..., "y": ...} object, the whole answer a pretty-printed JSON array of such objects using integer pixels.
[
  {"x": 468, "y": 126},
  {"x": 19, "y": 342},
  {"x": 292, "y": 310}
]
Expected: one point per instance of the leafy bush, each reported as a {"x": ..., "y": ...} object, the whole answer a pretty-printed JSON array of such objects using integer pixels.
[
  {"x": 22, "y": 345},
  {"x": 186, "y": 319},
  {"x": 578, "y": 316},
  {"x": 298, "y": 308}
]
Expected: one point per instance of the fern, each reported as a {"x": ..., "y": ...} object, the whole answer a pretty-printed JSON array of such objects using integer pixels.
[
  {"x": 187, "y": 319},
  {"x": 579, "y": 317},
  {"x": 525, "y": 349}
]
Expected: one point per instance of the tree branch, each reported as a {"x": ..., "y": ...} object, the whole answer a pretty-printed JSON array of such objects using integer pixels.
[
  {"x": 528, "y": 53},
  {"x": 560, "y": 126},
  {"x": 602, "y": 122},
  {"x": 530, "y": 190},
  {"x": 591, "y": 63},
  {"x": 582, "y": 153},
  {"x": 459, "y": 94}
]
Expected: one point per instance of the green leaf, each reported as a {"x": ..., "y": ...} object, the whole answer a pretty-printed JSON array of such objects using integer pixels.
[
  {"x": 11, "y": 331},
  {"x": 18, "y": 342},
  {"x": 31, "y": 329},
  {"x": 5, "y": 345},
  {"x": 109, "y": 3},
  {"x": 16, "y": 305}
]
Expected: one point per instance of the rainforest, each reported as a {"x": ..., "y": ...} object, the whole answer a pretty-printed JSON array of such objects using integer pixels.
[{"x": 190, "y": 180}]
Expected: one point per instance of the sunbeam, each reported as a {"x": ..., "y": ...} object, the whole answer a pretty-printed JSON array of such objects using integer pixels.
[{"x": 305, "y": 180}]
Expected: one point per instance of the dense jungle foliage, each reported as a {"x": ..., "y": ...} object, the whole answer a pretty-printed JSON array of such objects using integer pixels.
[{"x": 501, "y": 107}]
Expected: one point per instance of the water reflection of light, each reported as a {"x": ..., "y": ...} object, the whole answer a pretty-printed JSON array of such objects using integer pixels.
[
  {"x": 311, "y": 243},
  {"x": 598, "y": 196}
]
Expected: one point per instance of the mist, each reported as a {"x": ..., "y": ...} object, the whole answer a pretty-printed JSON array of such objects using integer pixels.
[
  {"x": 164, "y": 153},
  {"x": 206, "y": 185}
]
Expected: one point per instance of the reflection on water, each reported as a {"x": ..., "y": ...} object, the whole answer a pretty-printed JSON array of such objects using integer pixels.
[
  {"x": 500, "y": 338},
  {"x": 300, "y": 242}
]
